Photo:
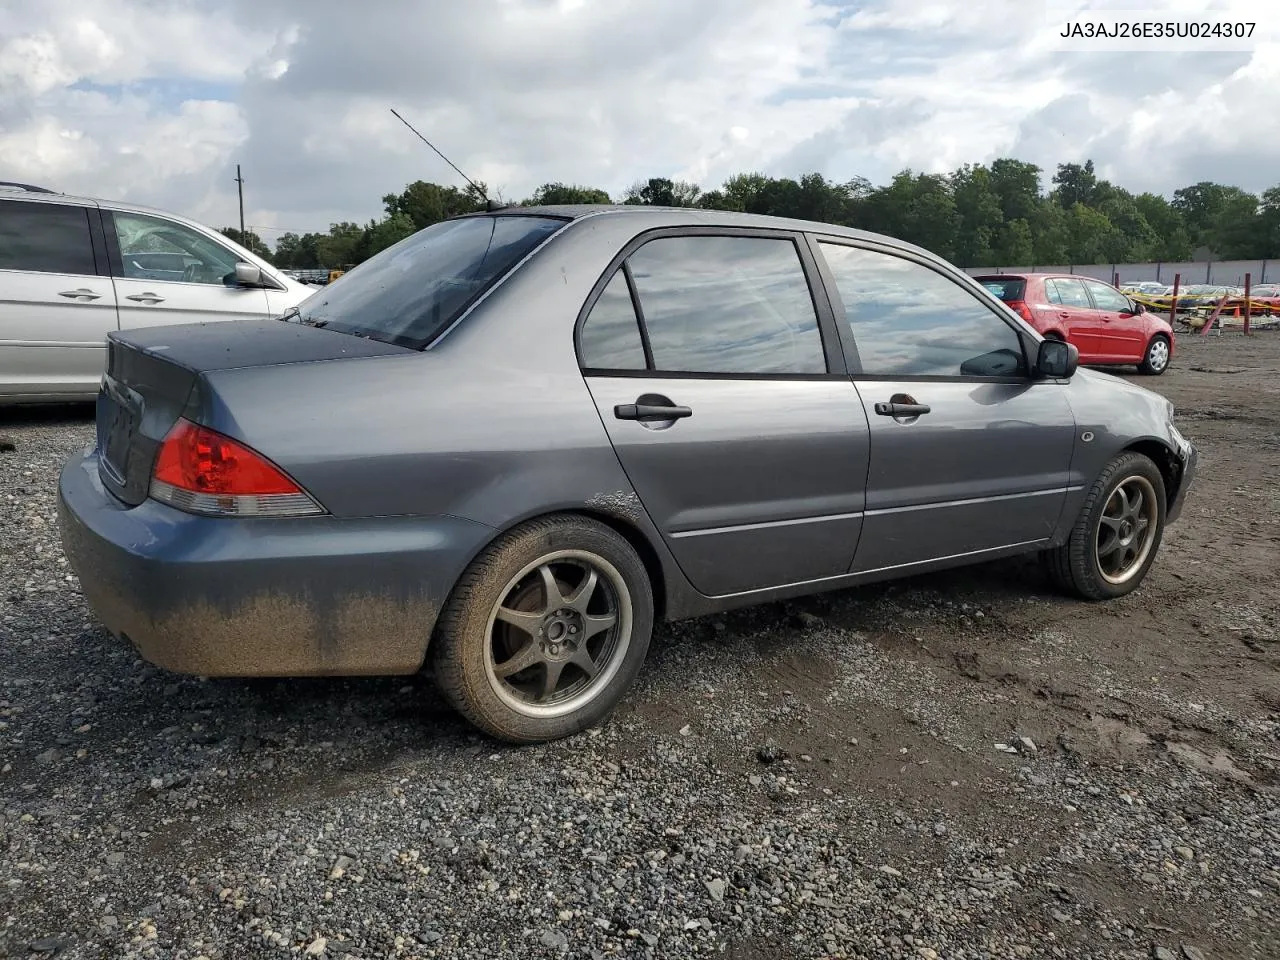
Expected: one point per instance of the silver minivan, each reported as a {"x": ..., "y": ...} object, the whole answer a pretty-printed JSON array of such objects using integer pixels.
[{"x": 72, "y": 269}]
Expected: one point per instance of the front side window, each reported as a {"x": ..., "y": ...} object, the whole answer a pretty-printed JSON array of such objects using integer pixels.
[
  {"x": 910, "y": 321},
  {"x": 727, "y": 305},
  {"x": 411, "y": 291},
  {"x": 152, "y": 248},
  {"x": 1107, "y": 298},
  {"x": 45, "y": 238}
]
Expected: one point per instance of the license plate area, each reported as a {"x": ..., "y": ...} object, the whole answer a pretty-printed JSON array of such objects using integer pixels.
[{"x": 121, "y": 415}]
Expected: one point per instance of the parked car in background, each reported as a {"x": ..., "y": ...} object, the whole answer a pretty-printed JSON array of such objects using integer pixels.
[
  {"x": 1105, "y": 325},
  {"x": 73, "y": 269},
  {"x": 515, "y": 439}
]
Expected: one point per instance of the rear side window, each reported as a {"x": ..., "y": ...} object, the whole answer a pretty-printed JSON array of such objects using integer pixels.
[
  {"x": 1007, "y": 289},
  {"x": 729, "y": 305},
  {"x": 610, "y": 337},
  {"x": 45, "y": 238},
  {"x": 1071, "y": 293},
  {"x": 411, "y": 291}
]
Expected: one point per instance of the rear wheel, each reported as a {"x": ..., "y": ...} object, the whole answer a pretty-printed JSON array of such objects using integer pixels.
[
  {"x": 1117, "y": 535},
  {"x": 545, "y": 631},
  {"x": 1156, "y": 360}
]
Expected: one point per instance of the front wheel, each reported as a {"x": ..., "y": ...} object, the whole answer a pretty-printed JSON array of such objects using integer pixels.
[
  {"x": 545, "y": 631},
  {"x": 1156, "y": 360},
  {"x": 1117, "y": 534}
]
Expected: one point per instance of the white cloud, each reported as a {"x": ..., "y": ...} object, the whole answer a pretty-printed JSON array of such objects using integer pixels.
[{"x": 157, "y": 100}]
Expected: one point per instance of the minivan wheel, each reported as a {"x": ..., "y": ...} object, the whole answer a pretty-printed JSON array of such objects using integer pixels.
[
  {"x": 1117, "y": 534},
  {"x": 545, "y": 631},
  {"x": 1156, "y": 360}
]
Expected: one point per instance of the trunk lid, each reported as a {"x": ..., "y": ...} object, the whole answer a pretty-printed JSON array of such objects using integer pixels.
[{"x": 154, "y": 376}]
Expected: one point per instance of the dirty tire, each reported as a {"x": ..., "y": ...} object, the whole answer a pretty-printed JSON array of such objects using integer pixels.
[
  {"x": 1156, "y": 360},
  {"x": 1074, "y": 567},
  {"x": 463, "y": 641}
]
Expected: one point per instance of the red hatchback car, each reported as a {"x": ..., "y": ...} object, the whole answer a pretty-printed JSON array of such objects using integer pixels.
[{"x": 1105, "y": 325}]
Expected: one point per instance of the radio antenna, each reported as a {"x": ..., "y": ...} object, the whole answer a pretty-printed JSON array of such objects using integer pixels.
[{"x": 489, "y": 204}]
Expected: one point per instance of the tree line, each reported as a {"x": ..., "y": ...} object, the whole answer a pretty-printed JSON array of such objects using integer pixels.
[{"x": 978, "y": 215}]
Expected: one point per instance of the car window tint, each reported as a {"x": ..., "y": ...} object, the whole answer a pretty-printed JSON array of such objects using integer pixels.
[
  {"x": 1051, "y": 291},
  {"x": 45, "y": 238},
  {"x": 412, "y": 291},
  {"x": 909, "y": 320},
  {"x": 1107, "y": 298},
  {"x": 727, "y": 305},
  {"x": 1071, "y": 293},
  {"x": 156, "y": 249},
  {"x": 610, "y": 337}
]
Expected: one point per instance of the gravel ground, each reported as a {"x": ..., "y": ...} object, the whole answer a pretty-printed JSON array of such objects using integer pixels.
[{"x": 956, "y": 766}]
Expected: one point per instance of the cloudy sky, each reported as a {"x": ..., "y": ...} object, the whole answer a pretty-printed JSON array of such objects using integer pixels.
[{"x": 157, "y": 100}]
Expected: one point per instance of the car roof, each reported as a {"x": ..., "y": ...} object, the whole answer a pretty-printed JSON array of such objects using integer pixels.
[
  {"x": 40, "y": 196},
  {"x": 659, "y": 216}
]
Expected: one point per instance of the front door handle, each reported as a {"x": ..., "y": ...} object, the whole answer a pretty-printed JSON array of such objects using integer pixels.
[
  {"x": 650, "y": 411},
  {"x": 84, "y": 293},
  {"x": 902, "y": 408},
  {"x": 145, "y": 297}
]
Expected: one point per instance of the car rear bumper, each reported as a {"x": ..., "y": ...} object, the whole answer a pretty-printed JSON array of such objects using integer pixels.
[{"x": 308, "y": 596}]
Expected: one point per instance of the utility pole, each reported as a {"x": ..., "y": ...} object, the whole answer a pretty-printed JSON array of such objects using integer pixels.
[{"x": 240, "y": 184}]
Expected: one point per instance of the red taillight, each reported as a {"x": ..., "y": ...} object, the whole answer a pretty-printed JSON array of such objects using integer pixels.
[
  {"x": 203, "y": 471},
  {"x": 1021, "y": 309}
]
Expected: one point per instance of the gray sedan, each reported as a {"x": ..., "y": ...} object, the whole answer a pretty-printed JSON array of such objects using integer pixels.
[{"x": 509, "y": 444}]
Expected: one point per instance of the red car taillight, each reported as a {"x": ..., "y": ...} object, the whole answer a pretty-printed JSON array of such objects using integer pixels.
[
  {"x": 202, "y": 471},
  {"x": 1021, "y": 309}
]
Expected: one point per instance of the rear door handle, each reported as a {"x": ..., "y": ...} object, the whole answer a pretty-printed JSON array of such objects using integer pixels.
[
  {"x": 84, "y": 293},
  {"x": 650, "y": 411},
  {"x": 896, "y": 409},
  {"x": 1064, "y": 315},
  {"x": 145, "y": 298}
]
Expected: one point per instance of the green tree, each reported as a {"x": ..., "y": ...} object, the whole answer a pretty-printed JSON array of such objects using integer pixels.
[
  {"x": 1017, "y": 185},
  {"x": 1237, "y": 232},
  {"x": 427, "y": 203},
  {"x": 563, "y": 193},
  {"x": 1049, "y": 235},
  {"x": 1075, "y": 184},
  {"x": 380, "y": 234},
  {"x": 918, "y": 209},
  {"x": 979, "y": 213},
  {"x": 340, "y": 247},
  {"x": 1091, "y": 236},
  {"x": 250, "y": 241},
  {"x": 662, "y": 192},
  {"x": 1134, "y": 239},
  {"x": 1269, "y": 222},
  {"x": 1172, "y": 241},
  {"x": 1014, "y": 247}
]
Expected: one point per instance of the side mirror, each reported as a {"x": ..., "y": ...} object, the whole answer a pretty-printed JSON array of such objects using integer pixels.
[
  {"x": 247, "y": 275},
  {"x": 1057, "y": 359}
]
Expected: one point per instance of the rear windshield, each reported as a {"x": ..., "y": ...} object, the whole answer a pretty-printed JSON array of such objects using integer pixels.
[
  {"x": 410, "y": 292},
  {"x": 1006, "y": 288}
]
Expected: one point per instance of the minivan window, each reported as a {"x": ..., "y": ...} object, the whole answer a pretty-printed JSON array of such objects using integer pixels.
[
  {"x": 45, "y": 238},
  {"x": 410, "y": 292},
  {"x": 728, "y": 305},
  {"x": 152, "y": 248}
]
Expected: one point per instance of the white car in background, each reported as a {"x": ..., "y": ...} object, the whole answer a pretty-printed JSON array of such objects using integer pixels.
[{"x": 72, "y": 269}]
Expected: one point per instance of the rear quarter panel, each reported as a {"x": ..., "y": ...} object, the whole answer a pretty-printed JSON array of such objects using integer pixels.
[{"x": 493, "y": 423}]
